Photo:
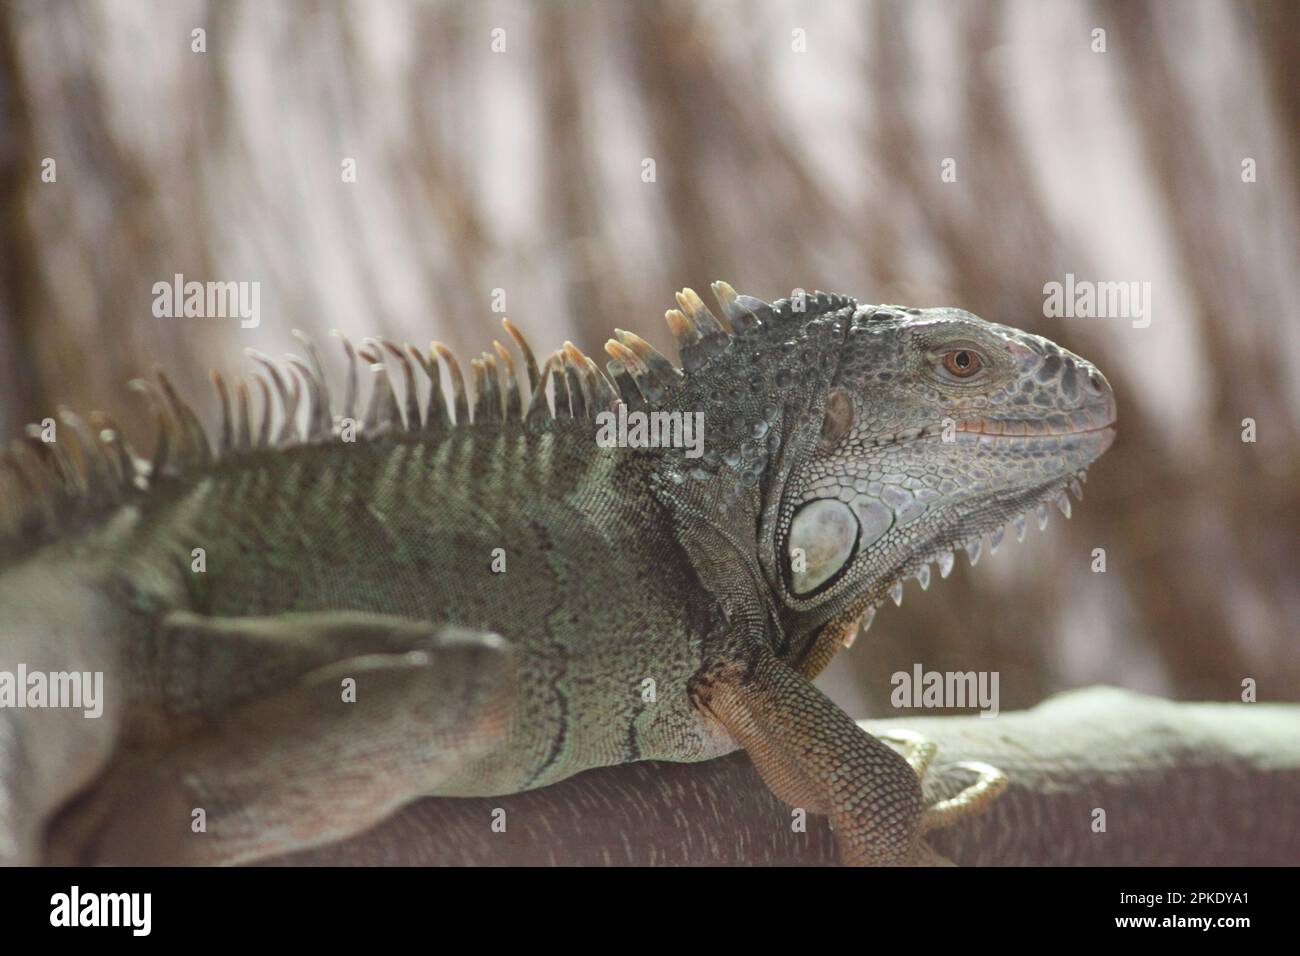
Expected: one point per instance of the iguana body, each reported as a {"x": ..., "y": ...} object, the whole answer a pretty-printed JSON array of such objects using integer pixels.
[{"x": 650, "y": 605}]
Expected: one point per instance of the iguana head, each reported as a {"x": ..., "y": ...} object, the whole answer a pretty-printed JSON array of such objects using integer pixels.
[
  {"x": 878, "y": 440},
  {"x": 937, "y": 429}
]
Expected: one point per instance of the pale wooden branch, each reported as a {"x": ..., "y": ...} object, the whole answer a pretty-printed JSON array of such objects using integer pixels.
[{"x": 1179, "y": 783}]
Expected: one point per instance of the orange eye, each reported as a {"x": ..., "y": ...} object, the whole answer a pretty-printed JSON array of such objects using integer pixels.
[{"x": 963, "y": 363}]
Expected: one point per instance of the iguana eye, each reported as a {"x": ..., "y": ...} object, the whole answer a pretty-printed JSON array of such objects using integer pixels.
[{"x": 963, "y": 363}]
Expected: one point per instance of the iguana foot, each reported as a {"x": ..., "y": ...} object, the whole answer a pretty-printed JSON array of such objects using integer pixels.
[
  {"x": 812, "y": 755},
  {"x": 972, "y": 800}
]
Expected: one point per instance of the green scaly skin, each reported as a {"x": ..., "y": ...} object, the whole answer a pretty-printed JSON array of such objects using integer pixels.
[{"x": 651, "y": 606}]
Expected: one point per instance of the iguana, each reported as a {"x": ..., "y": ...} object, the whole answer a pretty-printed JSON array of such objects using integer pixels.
[{"x": 334, "y": 612}]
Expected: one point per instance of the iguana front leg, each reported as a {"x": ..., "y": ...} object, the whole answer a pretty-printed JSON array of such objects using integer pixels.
[{"x": 812, "y": 755}]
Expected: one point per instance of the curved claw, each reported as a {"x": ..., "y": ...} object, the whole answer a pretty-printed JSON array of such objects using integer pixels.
[
  {"x": 919, "y": 750},
  {"x": 989, "y": 783}
]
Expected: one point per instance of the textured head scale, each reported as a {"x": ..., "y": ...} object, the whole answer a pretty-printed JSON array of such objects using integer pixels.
[{"x": 938, "y": 429}]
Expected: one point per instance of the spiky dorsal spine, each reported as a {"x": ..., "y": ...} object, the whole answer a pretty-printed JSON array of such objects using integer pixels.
[{"x": 48, "y": 486}]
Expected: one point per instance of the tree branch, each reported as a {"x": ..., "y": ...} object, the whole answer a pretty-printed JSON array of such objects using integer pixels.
[{"x": 1179, "y": 783}]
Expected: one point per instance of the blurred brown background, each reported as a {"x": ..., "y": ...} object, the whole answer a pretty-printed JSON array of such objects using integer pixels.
[{"x": 793, "y": 144}]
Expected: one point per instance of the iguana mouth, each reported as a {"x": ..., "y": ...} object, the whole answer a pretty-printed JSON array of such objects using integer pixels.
[
  {"x": 1086, "y": 420},
  {"x": 1083, "y": 421}
]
